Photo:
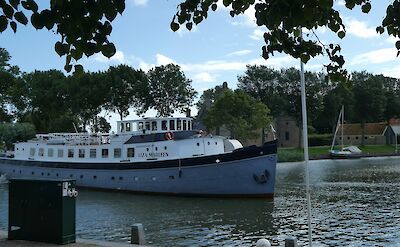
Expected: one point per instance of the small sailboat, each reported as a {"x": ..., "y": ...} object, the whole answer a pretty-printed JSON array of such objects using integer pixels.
[{"x": 344, "y": 152}]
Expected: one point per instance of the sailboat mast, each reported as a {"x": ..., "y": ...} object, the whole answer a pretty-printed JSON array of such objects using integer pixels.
[{"x": 342, "y": 124}]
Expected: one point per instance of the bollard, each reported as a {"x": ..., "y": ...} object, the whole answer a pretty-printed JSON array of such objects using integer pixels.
[
  {"x": 137, "y": 234},
  {"x": 291, "y": 242},
  {"x": 263, "y": 243}
]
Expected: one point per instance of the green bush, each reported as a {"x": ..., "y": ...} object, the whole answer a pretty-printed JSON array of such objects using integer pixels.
[
  {"x": 290, "y": 155},
  {"x": 14, "y": 132},
  {"x": 320, "y": 140}
]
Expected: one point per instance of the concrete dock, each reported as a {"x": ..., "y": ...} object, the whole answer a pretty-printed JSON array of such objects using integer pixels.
[{"x": 79, "y": 243}]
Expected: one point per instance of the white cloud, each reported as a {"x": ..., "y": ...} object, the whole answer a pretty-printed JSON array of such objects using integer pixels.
[
  {"x": 239, "y": 53},
  {"x": 247, "y": 19},
  {"x": 392, "y": 40},
  {"x": 391, "y": 71},
  {"x": 360, "y": 29},
  {"x": 140, "y": 2},
  {"x": 340, "y": 3},
  {"x": 164, "y": 60},
  {"x": 258, "y": 34},
  {"x": 375, "y": 57},
  {"x": 204, "y": 77},
  {"x": 118, "y": 57}
]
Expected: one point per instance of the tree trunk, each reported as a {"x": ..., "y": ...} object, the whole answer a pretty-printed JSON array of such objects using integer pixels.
[{"x": 262, "y": 136}]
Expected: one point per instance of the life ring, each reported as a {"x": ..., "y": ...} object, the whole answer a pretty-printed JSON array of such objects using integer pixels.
[{"x": 169, "y": 135}]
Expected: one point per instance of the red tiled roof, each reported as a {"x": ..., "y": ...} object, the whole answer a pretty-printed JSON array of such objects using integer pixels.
[{"x": 369, "y": 129}]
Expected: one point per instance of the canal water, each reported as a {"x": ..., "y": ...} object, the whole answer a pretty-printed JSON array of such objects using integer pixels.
[{"x": 354, "y": 203}]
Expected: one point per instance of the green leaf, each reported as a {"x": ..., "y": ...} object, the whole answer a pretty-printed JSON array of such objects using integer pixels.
[
  {"x": 398, "y": 45},
  {"x": 108, "y": 50},
  {"x": 3, "y": 23},
  {"x": 30, "y": 5},
  {"x": 8, "y": 11},
  {"x": 68, "y": 67},
  {"x": 189, "y": 25},
  {"x": 13, "y": 25},
  {"x": 380, "y": 30},
  {"x": 37, "y": 21},
  {"x": 214, "y": 7},
  {"x": 15, "y": 3},
  {"x": 21, "y": 18},
  {"x": 59, "y": 48},
  {"x": 120, "y": 5},
  {"x": 366, "y": 7},
  {"x": 341, "y": 34},
  {"x": 78, "y": 69},
  {"x": 174, "y": 26},
  {"x": 226, "y": 2},
  {"x": 111, "y": 14}
]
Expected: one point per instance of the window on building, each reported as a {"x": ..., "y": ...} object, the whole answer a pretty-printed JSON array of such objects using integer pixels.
[
  {"x": 41, "y": 152},
  {"x": 50, "y": 152},
  {"x": 60, "y": 153},
  {"x": 164, "y": 125},
  {"x": 32, "y": 151},
  {"x": 184, "y": 125},
  {"x": 70, "y": 153},
  {"x": 93, "y": 153},
  {"x": 104, "y": 153},
  {"x": 128, "y": 127},
  {"x": 178, "y": 124},
  {"x": 117, "y": 153},
  {"x": 140, "y": 126},
  {"x": 147, "y": 124},
  {"x": 154, "y": 125},
  {"x": 348, "y": 138},
  {"x": 81, "y": 153},
  {"x": 287, "y": 136},
  {"x": 356, "y": 137},
  {"x": 131, "y": 152},
  {"x": 122, "y": 127},
  {"x": 171, "y": 124}
]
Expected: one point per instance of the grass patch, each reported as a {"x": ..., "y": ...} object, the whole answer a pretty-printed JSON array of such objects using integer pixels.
[{"x": 297, "y": 154}]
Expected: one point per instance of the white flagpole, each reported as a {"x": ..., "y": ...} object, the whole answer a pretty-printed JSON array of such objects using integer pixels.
[{"x": 305, "y": 145}]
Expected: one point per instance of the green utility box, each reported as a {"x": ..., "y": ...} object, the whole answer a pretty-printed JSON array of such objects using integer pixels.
[{"x": 42, "y": 210}]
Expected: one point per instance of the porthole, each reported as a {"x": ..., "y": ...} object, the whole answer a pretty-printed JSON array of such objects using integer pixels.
[
  {"x": 198, "y": 144},
  {"x": 71, "y": 175},
  {"x": 42, "y": 173},
  {"x": 94, "y": 177},
  {"x": 121, "y": 178},
  {"x": 216, "y": 143},
  {"x": 17, "y": 149},
  {"x": 171, "y": 177},
  {"x": 156, "y": 148},
  {"x": 165, "y": 147},
  {"x": 56, "y": 174},
  {"x": 20, "y": 171},
  {"x": 14, "y": 171},
  {"x": 147, "y": 149},
  {"x": 81, "y": 176},
  {"x": 33, "y": 173},
  {"x": 48, "y": 174},
  {"x": 112, "y": 178}
]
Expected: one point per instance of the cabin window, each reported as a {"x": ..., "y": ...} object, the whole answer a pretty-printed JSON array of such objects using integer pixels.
[
  {"x": 164, "y": 125},
  {"x": 154, "y": 125},
  {"x": 50, "y": 152},
  {"x": 171, "y": 124},
  {"x": 81, "y": 153},
  {"x": 117, "y": 153},
  {"x": 60, "y": 153},
  {"x": 70, "y": 153},
  {"x": 287, "y": 136},
  {"x": 32, "y": 151},
  {"x": 184, "y": 125},
  {"x": 348, "y": 138},
  {"x": 147, "y": 125},
  {"x": 190, "y": 125},
  {"x": 104, "y": 153},
  {"x": 140, "y": 127},
  {"x": 128, "y": 127},
  {"x": 178, "y": 124},
  {"x": 93, "y": 153},
  {"x": 122, "y": 127},
  {"x": 131, "y": 152},
  {"x": 41, "y": 152}
]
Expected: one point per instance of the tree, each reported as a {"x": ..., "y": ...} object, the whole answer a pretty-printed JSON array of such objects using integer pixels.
[
  {"x": 169, "y": 90},
  {"x": 13, "y": 132},
  {"x": 127, "y": 88},
  {"x": 100, "y": 124},
  {"x": 284, "y": 21},
  {"x": 370, "y": 100},
  {"x": 242, "y": 115},
  {"x": 84, "y": 26}
]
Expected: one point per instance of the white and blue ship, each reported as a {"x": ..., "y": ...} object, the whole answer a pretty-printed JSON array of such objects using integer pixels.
[{"x": 150, "y": 155}]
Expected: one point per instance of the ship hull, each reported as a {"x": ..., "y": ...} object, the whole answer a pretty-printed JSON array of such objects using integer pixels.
[{"x": 246, "y": 173}]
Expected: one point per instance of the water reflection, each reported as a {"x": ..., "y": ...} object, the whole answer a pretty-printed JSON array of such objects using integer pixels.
[{"x": 354, "y": 203}]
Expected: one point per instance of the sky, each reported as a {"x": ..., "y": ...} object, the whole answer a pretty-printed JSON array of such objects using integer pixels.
[{"x": 215, "y": 51}]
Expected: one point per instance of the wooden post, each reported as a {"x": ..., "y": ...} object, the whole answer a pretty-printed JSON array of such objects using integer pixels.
[{"x": 137, "y": 234}]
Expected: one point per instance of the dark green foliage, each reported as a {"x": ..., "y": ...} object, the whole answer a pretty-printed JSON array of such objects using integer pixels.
[
  {"x": 10, "y": 133},
  {"x": 320, "y": 139},
  {"x": 127, "y": 88},
  {"x": 284, "y": 20},
  {"x": 84, "y": 26},
  {"x": 100, "y": 124},
  {"x": 169, "y": 90},
  {"x": 239, "y": 113}
]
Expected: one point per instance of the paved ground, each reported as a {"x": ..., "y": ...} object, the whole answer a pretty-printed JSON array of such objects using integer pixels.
[{"x": 79, "y": 243}]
